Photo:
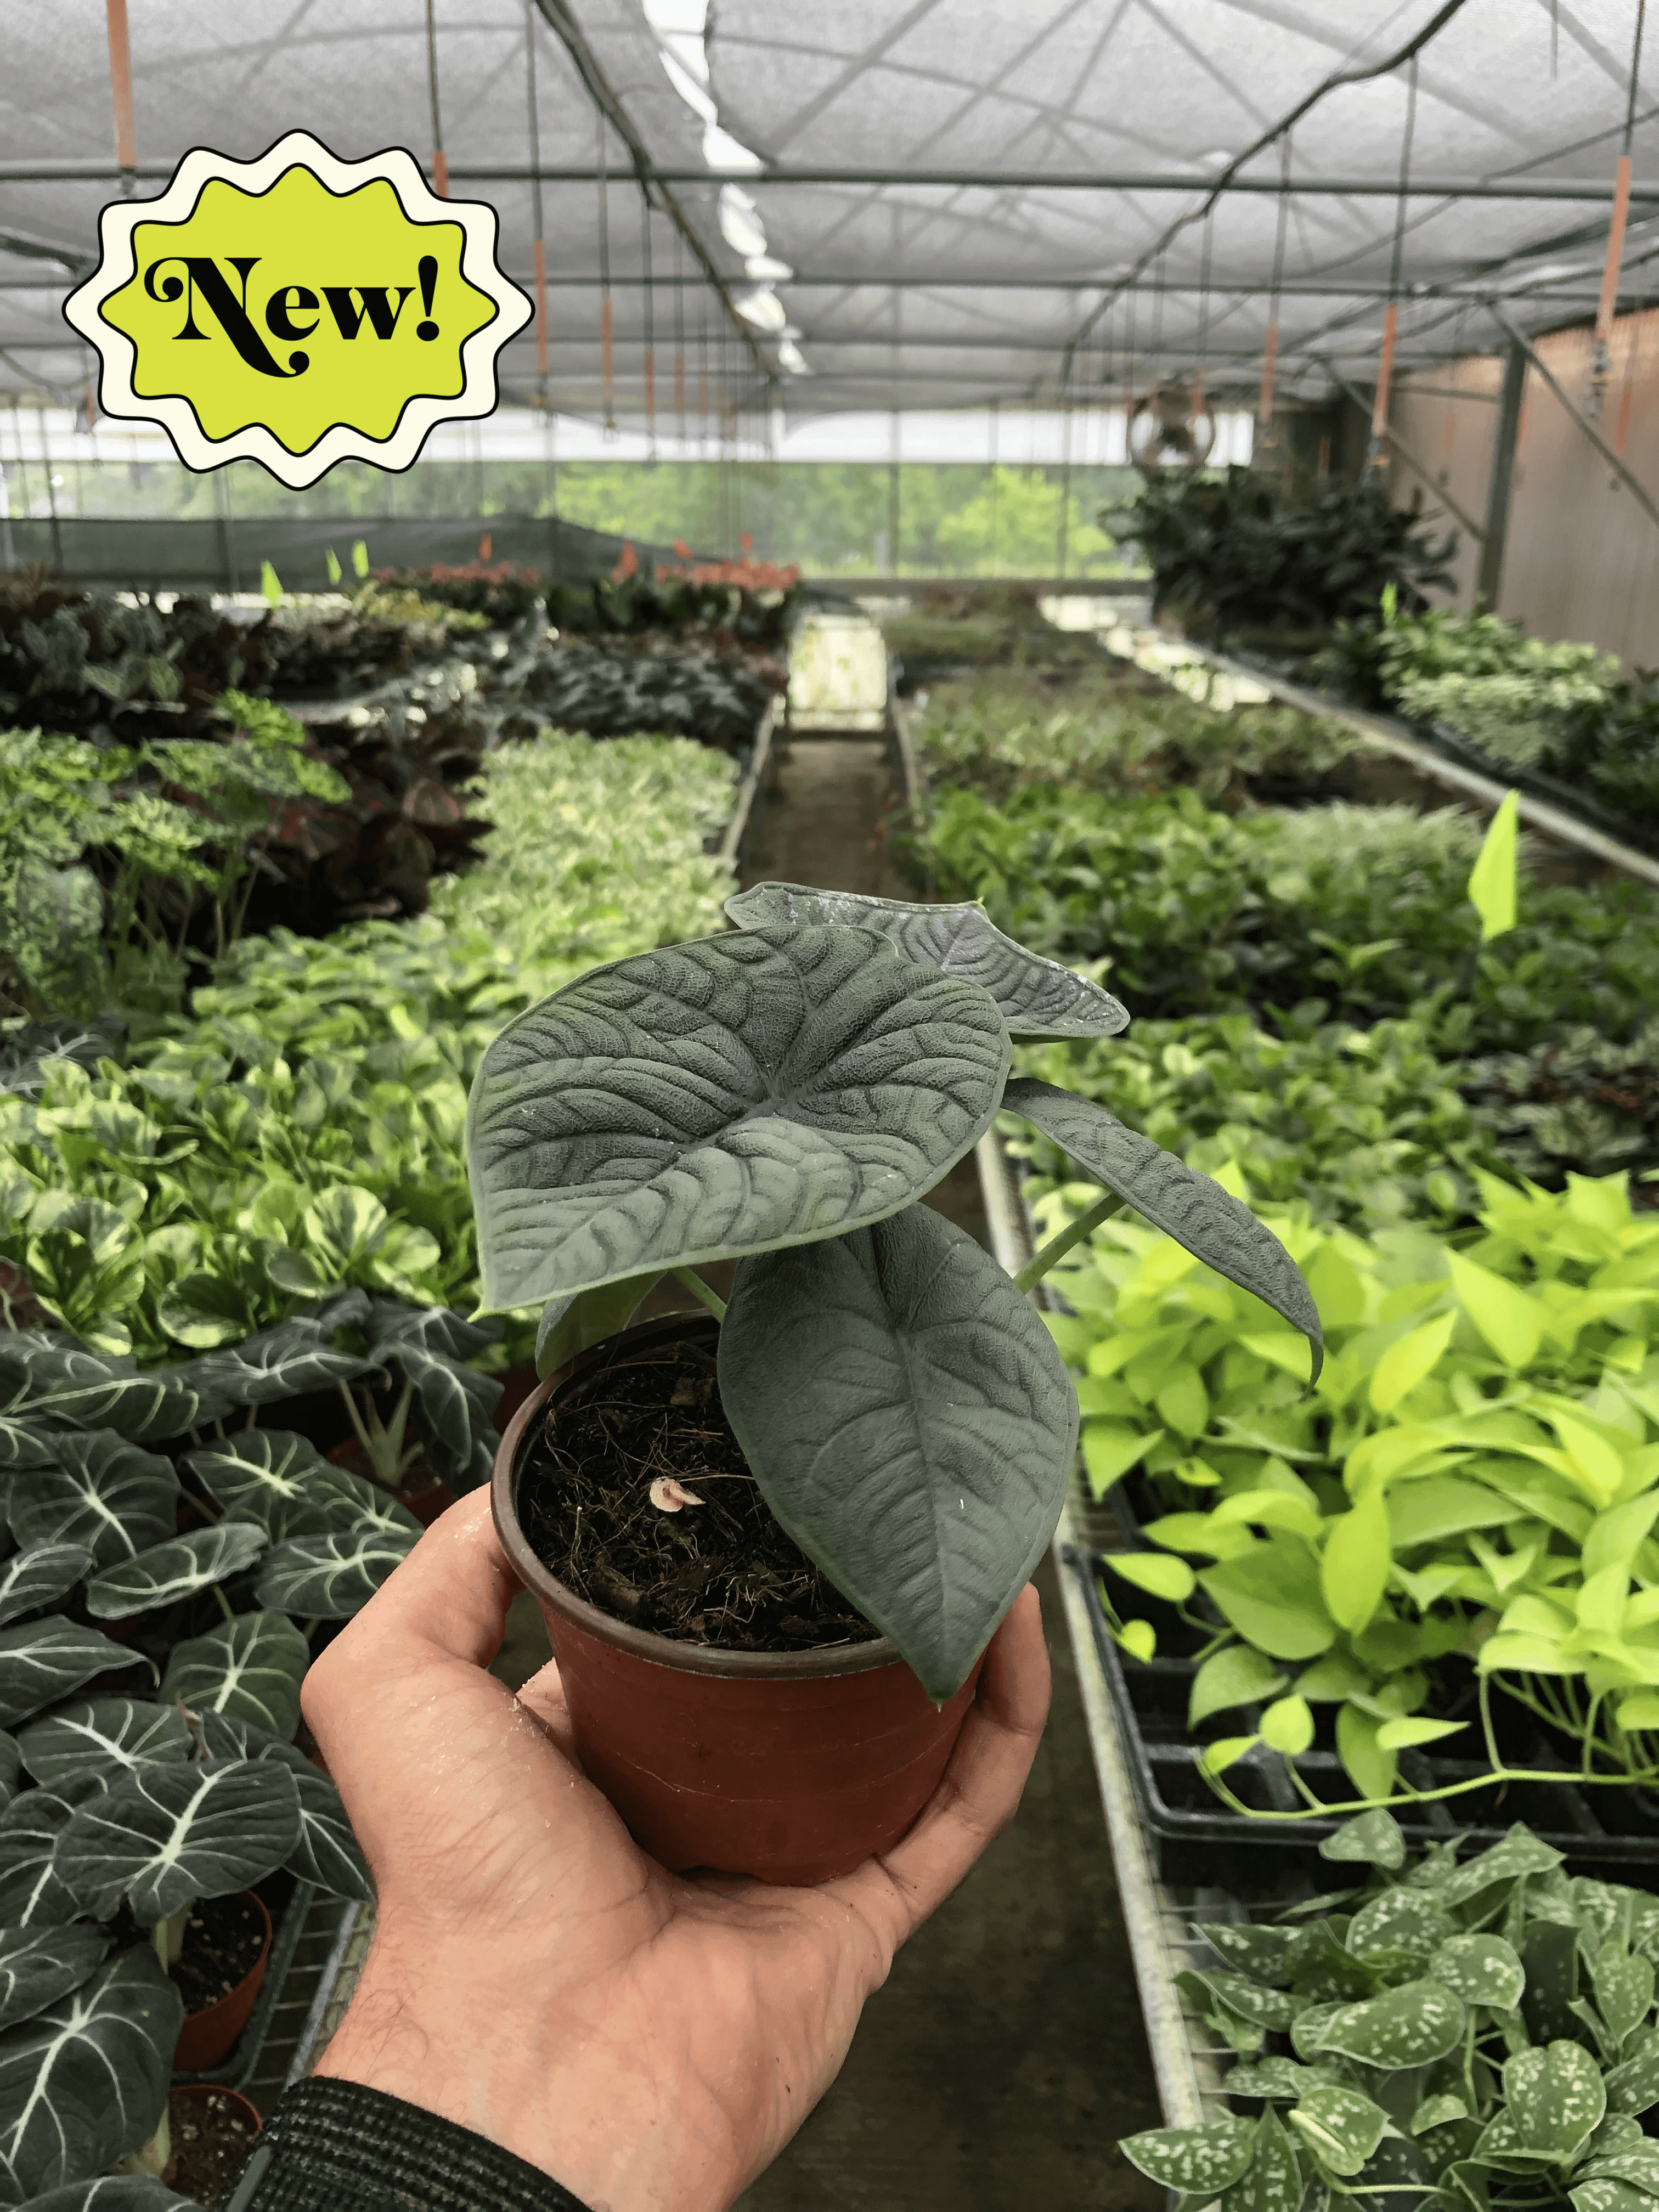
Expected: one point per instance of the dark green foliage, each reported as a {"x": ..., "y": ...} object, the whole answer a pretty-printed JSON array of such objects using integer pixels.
[
  {"x": 1582, "y": 1104},
  {"x": 607, "y": 691},
  {"x": 1231, "y": 553},
  {"x": 503, "y": 595},
  {"x": 627, "y": 606},
  {"x": 1610, "y": 748}
]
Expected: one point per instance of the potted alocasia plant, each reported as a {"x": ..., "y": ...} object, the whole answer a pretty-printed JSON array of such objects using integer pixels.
[{"x": 782, "y": 1095}]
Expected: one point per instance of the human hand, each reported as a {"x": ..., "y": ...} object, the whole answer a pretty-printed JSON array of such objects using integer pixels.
[{"x": 651, "y": 2040}]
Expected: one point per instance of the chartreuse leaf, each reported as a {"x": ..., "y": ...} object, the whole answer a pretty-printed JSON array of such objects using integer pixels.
[
  {"x": 1370, "y": 1768},
  {"x": 250, "y": 1669},
  {"x": 1238, "y": 1674},
  {"x": 1553, "y": 2097},
  {"x": 103, "y": 1493},
  {"x": 327, "y": 1852},
  {"x": 737, "y": 1095},
  {"x": 1482, "y": 1969},
  {"x": 42, "y": 1661},
  {"x": 1155, "y": 1572},
  {"x": 1202, "y": 1218},
  {"x": 1491, "y": 885},
  {"x": 109, "y": 1734},
  {"x": 923, "y": 1466},
  {"x": 1407, "y": 1362},
  {"x": 40, "y": 1965},
  {"x": 1374, "y": 1838},
  {"x": 174, "y": 1570},
  {"x": 1510, "y": 1320},
  {"x": 1287, "y": 1726},
  {"x": 574, "y": 1324},
  {"x": 1039, "y": 999},
  {"x": 40, "y": 1576},
  {"x": 331, "y": 1576},
  {"x": 1271, "y": 1594},
  {"x": 1410, "y": 2026},
  {"x": 1198, "y": 2161},
  {"x": 1272, "y": 2180},
  {"x": 1353, "y": 1568},
  {"x": 165, "y": 1834},
  {"x": 1340, "y": 2125},
  {"x": 86, "y": 2081}
]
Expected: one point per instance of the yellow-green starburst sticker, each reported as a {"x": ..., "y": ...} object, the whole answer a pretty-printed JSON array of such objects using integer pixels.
[{"x": 298, "y": 310}]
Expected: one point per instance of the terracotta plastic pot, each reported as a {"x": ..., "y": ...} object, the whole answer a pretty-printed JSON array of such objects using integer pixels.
[
  {"x": 199, "y": 2095},
  {"x": 207, "y": 2035},
  {"x": 792, "y": 1766}
]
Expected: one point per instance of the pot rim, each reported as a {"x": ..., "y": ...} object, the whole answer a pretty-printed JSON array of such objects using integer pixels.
[
  {"x": 644, "y": 1642},
  {"x": 195, "y": 2089},
  {"x": 230, "y": 1995}
]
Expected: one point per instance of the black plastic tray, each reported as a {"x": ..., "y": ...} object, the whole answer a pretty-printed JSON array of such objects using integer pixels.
[
  {"x": 243, "y": 2057},
  {"x": 1195, "y": 1839}
]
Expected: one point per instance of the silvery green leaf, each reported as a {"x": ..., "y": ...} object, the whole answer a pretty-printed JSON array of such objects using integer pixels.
[
  {"x": 1237, "y": 1994},
  {"x": 1309, "y": 2027},
  {"x": 176, "y": 1569},
  {"x": 327, "y": 1852},
  {"x": 1482, "y": 1969},
  {"x": 42, "y": 1661},
  {"x": 1624, "y": 1989},
  {"x": 40, "y": 1965},
  {"x": 296, "y": 1356},
  {"x": 354, "y": 1505},
  {"x": 1373, "y": 1838},
  {"x": 1407, "y": 1924},
  {"x": 1266, "y": 1953},
  {"x": 1609, "y": 2197},
  {"x": 457, "y": 1405},
  {"x": 22, "y": 1444},
  {"x": 165, "y": 1834},
  {"x": 272, "y": 1478},
  {"x": 59, "y": 1382},
  {"x": 1198, "y": 2161},
  {"x": 40, "y": 1576},
  {"x": 114, "y": 1734},
  {"x": 1633, "y": 2084},
  {"x": 1397, "y": 2177},
  {"x": 1342, "y": 2126},
  {"x": 1272, "y": 2180},
  {"x": 1639, "y": 2165},
  {"x": 572, "y": 1325},
  {"x": 1279, "y": 2079},
  {"x": 1520, "y": 1852},
  {"x": 1039, "y": 999},
  {"x": 1553, "y": 2097},
  {"x": 1617, "y": 2132},
  {"x": 32, "y": 1892},
  {"x": 11, "y": 1764},
  {"x": 1410, "y": 2026},
  {"x": 102, "y": 1492},
  {"x": 110, "y": 2192},
  {"x": 437, "y": 1329},
  {"x": 331, "y": 1578},
  {"x": 738, "y": 1094},
  {"x": 251, "y": 1669},
  {"x": 923, "y": 1461},
  {"x": 86, "y": 2081},
  {"x": 1435, "y": 2112},
  {"x": 1193, "y": 1208}
]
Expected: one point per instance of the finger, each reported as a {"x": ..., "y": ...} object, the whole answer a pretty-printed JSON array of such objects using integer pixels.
[
  {"x": 980, "y": 1791},
  {"x": 543, "y": 1696}
]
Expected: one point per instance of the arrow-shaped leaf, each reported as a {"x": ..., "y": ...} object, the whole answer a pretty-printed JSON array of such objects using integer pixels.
[
  {"x": 174, "y": 1570},
  {"x": 165, "y": 1834},
  {"x": 86, "y": 2081},
  {"x": 437, "y": 1329},
  {"x": 1554, "y": 2097},
  {"x": 42, "y": 1661},
  {"x": 1039, "y": 999},
  {"x": 327, "y": 1852},
  {"x": 738, "y": 1094},
  {"x": 921, "y": 1463},
  {"x": 38, "y": 1965},
  {"x": 31, "y": 1891},
  {"x": 272, "y": 1478},
  {"x": 1340, "y": 2125},
  {"x": 1201, "y": 2162},
  {"x": 285, "y": 1361},
  {"x": 57, "y": 1382},
  {"x": 111, "y": 1735},
  {"x": 572, "y": 1325},
  {"x": 331, "y": 1578},
  {"x": 22, "y": 1444},
  {"x": 39, "y": 1576},
  {"x": 1193, "y": 1208},
  {"x": 251, "y": 1669},
  {"x": 456, "y": 1405},
  {"x": 103, "y": 1493}
]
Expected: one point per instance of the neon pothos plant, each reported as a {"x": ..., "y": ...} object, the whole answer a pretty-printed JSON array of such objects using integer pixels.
[
  {"x": 782, "y": 1095},
  {"x": 1450, "y": 2036}
]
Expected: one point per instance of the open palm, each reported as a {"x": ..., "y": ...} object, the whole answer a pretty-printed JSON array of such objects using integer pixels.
[{"x": 650, "y": 2039}]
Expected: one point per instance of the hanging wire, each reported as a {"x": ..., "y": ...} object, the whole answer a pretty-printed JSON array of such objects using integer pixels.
[
  {"x": 679, "y": 339},
  {"x": 1264, "y": 409},
  {"x": 1609, "y": 300},
  {"x": 703, "y": 377},
  {"x": 1377, "y": 452},
  {"x": 539, "y": 248},
  {"x": 650, "y": 329},
  {"x": 439, "y": 166},
  {"x": 1200, "y": 370},
  {"x": 607, "y": 391}
]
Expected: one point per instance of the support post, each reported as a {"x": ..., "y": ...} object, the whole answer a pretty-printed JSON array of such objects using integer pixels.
[{"x": 1499, "y": 482}]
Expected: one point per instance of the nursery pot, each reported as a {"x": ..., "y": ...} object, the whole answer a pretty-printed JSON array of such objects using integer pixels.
[
  {"x": 792, "y": 1766},
  {"x": 197, "y": 2101},
  {"x": 207, "y": 2036}
]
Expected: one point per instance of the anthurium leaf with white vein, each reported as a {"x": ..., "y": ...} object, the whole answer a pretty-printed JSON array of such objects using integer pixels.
[
  {"x": 1555, "y": 2097},
  {"x": 42, "y": 1661},
  {"x": 457, "y": 1407},
  {"x": 251, "y": 1669},
  {"x": 296, "y": 1356},
  {"x": 327, "y": 1852},
  {"x": 102, "y": 1492},
  {"x": 110, "y": 2192},
  {"x": 1198, "y": 2161},
  {"x": 54, "y": 1380},
  {"x": 435, "y": 1328},
  {"x": 40, "y": 1965},
  {"x": 165, "y": 1835},
  {"x": 22, "y": 1442},
  {"x": 39, "y": 1576},
  {"x": 1191, "y": 1208},
  {"x": 331, "y": 1576},
  {"x": 114, "y": 1734},
  {"x": 11, "y": 1767},
  {"x": 1340, "y": 2125},
  {"x": 738, "y": 1094},
  {"x": 910, "y": 1423},
  {"x": 572, "y": 1325},
  {"x": 1039, "y": 999},
  {"x": 1482, "y": 1969},
  {"x": 272, "y": 1478},
  {"x": 1410, "y": 2026},
  {"x": 86, "y": 2081},
  {"x": 32, "y": 1892},
  {"x": 176, "y": 1569}
]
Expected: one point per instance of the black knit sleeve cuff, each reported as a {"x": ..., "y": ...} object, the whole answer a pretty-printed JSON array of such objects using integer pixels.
[{"x": 334, "y": 2146}]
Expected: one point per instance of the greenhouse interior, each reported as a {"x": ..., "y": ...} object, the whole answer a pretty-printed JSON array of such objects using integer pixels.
[{"x": 961, "y": 694}]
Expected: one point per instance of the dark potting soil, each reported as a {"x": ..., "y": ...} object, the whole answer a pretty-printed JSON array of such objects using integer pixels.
[
  {"x": 223, "y": 1937},
  {"x": 211, "y": 2135},
  {"x": 721, "y": 1572}
]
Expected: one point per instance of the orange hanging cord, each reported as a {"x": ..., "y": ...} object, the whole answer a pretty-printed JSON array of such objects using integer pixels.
[{"x": 121, "y": 85}]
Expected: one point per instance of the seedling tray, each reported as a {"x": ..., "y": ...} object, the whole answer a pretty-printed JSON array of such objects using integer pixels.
[{"x": 1195, "y": 1839}]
